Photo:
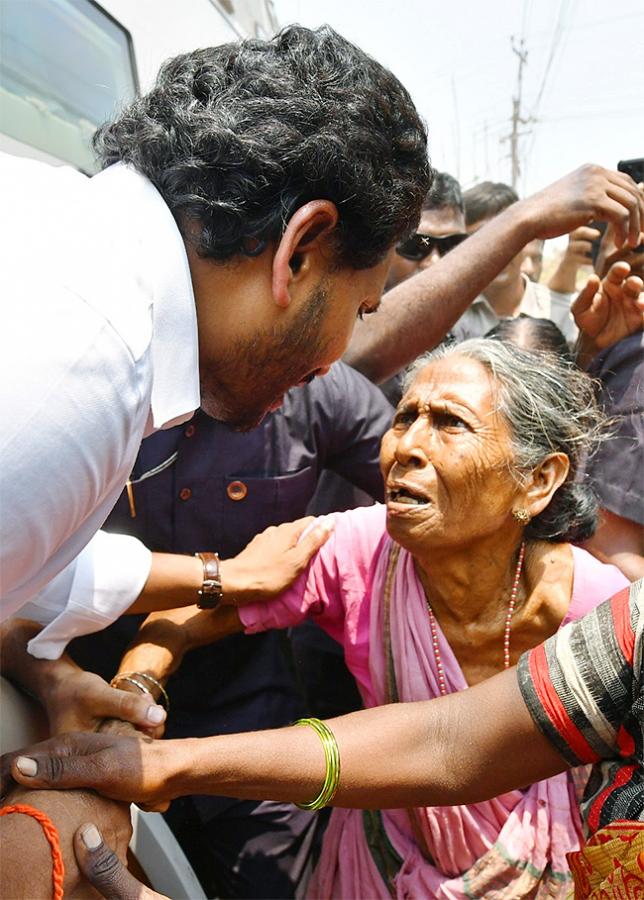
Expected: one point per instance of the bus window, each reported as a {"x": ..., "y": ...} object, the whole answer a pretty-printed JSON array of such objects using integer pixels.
[{"x": 65, "y": 67}]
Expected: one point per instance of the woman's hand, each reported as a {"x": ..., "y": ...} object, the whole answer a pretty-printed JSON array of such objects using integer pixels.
[
  {"x": 130, "y": 769},
  {"x": 272, "y": 561},
  {"x": 608, "y": 310},
  {"x": 76, "y": 700}
]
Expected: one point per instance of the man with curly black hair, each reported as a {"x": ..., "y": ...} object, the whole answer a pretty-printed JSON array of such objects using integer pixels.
[
  {"x": 303, "y": 146},
  {"x": 244, "y": 217}
]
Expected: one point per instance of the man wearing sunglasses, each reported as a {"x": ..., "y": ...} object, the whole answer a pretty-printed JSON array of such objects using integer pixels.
[{"x": 441, "y": 228}]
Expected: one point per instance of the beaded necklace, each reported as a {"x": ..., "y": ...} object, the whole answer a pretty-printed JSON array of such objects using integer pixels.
[{"x": 506, "y": 631}]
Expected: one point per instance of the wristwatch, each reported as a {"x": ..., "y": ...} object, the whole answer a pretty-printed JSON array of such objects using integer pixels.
[{"x": 211, "y": 594}]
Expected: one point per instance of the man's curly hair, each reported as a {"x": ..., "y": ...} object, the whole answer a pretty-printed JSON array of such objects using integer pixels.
[{"x": 237, "y": 137}]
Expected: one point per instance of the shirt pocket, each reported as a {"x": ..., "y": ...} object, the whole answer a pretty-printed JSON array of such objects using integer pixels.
[{"x": 252, "y": 503}]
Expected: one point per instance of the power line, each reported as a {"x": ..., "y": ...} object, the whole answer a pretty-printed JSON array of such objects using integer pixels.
[
  {"x": 554, "y": 45},
  {"x": 565, "y": 7},
  {"x": 610, "y": 113}
]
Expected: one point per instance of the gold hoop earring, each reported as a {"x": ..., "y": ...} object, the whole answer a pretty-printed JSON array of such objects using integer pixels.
[{"x": 521, "y": 515}]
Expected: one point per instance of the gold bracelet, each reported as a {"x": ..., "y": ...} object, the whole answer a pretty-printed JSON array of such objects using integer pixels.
[
  {"x": 163, "y": 694},
  {"x": 128, "y": 677},
  {"x": 332, "y": 758}
]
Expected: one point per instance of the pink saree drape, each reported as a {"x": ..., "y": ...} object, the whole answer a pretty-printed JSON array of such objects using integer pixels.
[
  {"x": 513, "y": 846},
  {"x": 510, "y": 847}
]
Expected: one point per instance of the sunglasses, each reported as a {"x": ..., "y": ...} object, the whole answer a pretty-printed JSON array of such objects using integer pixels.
[{"x": 418, "y": 246}]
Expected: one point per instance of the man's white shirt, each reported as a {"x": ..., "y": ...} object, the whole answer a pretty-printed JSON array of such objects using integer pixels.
[{"x": 98, "y": 348}]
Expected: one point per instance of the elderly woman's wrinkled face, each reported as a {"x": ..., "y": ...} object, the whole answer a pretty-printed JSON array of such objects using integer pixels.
[{"x": 446, "y": 459}]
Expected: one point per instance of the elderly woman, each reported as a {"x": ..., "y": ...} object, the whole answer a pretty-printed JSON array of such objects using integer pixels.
[{"x": 469, "y": 564}]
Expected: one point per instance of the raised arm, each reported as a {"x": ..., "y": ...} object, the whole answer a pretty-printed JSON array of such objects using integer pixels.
[{"x": 416, "y": 315}]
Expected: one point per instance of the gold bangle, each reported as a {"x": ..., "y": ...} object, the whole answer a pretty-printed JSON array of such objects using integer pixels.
[
  {"x": 163, "y": 694},
  {"x": 128, "y": 677},
  {"x": 332, "y": 759}
]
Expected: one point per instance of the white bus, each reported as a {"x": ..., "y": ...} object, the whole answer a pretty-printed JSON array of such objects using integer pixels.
[{"x": 67, "y": 65}]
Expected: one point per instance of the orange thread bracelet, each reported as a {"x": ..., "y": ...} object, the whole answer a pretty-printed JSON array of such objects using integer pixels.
[{"x": 51, "y": 833}]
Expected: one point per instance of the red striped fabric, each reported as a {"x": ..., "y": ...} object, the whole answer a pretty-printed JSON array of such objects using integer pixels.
[
  {"x": 624, "y": 634},
  {"x": 622, "y": 777},
  {"x": 554, "y": 708}
]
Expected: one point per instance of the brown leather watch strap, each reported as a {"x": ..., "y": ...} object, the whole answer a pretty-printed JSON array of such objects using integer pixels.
[{"x": 211, "y": 594}]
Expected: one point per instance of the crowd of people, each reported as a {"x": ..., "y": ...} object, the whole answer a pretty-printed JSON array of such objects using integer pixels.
[{"x": 427, "y": 554}]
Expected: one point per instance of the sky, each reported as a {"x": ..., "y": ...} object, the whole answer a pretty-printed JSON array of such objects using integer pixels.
[{"x": 583, "y": 80}]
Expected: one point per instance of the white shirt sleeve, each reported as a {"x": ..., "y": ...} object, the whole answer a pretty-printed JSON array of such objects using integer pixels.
[
  {"x": 90, "y": 593},
  {"x": 561, "y": 315}
]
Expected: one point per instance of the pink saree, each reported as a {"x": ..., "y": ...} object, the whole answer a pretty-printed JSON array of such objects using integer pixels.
[
  {"x": 504, "y": 848},
  {"x": 510, "y": 847}
]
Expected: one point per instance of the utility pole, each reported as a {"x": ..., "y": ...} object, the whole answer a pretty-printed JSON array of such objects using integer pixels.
[{"x": 516, "y": 118}]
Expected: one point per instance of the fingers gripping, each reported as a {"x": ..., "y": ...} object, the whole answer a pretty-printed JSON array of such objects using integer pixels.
[
  {"x": 138, "y": 709},
  {"x": 298, "y": 528},
  {"x": 313, "y": 540},
  {"x": 57, "y": 769}
]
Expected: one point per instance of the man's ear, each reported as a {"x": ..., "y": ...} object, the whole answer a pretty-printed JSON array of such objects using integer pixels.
[
  {"x": 306, "y": 232},
  {"x": 543, "y": 481}
]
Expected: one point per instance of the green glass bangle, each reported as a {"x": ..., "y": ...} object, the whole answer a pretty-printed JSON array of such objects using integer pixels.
[{"x": 332, "y": 758}]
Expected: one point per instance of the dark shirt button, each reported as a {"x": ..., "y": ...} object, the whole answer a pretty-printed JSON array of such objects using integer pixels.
[
  {"x": 190, "y": 430},
  {"x": 236, "y": 490},
  {"x": 185, "y": 493}
]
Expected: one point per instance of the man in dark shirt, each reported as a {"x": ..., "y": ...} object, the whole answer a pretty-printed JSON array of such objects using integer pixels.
[{"x": 203, "y": 486}]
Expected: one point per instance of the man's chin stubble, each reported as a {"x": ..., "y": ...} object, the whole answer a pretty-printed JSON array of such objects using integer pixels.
[{"x": 232, "y": 418}]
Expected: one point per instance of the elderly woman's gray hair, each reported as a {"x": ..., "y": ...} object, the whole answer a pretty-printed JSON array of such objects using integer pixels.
[{"x": 550, "y": 406}]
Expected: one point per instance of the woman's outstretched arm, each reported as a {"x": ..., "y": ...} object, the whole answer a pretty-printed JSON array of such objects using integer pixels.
[
  {"x": 458, "y": 749},
  {"x": 521, "y": 726}
]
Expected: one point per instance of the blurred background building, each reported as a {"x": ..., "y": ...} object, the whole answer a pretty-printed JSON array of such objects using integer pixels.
[{"x": 66, "y": 65}]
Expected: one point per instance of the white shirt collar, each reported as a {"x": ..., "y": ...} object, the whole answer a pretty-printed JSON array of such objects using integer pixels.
[{"x": 162, "y": 267}]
